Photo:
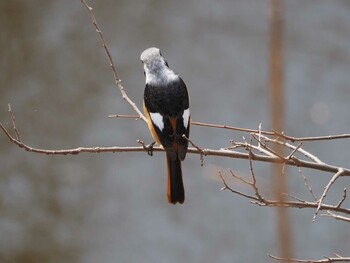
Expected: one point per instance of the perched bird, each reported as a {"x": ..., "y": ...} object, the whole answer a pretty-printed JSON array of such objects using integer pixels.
[{"x": 166, "y": 106}]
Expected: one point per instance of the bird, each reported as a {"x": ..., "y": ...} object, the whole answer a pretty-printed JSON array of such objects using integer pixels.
[{"x": 166, "y": 107}]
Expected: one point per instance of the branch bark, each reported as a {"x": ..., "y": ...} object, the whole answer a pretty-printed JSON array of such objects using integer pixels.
[{"x": 324, "y": 260}]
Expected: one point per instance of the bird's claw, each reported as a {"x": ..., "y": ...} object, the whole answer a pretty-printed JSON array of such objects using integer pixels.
[{"x": 149, "y": 148}]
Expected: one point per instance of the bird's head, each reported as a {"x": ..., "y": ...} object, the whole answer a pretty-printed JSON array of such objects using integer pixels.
[
  {"x": 156, "y": 69},
  {"x": 152, "y": 59}
]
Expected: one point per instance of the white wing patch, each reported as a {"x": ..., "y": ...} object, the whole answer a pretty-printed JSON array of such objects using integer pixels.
[
  {"x": 186, "y": 116},
  {"x": 157, "y": 119}
]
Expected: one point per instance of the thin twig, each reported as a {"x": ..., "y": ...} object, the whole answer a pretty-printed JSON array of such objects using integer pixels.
[
  {"x": 295, "y": 198},
  {"x": 263, "y": 145},
  {"x": 227, "y": 187},
  {"x": 343, "y": 199},
  {"x": 239, "y": 178},
  {"x": 261, "y": 150},
  {"x": 201, "y": 150},
  {"x": 338, "y": 217},
  {"x": 229, "y": 127},
  {"x": 255, "y": 187},
  {"x": 313, "y": 138},
  {"x": 193, "y": 144},
  {"x": 326, "y": 189},
  {"x": 259, "y": 135},
  {"x": 294, "y": 151},
  {"x": 124, "y": 116},
  {"x": 306, "y": 183},
  {"x": 302, "y": 151},
  {"x": 13, "y": 122}
]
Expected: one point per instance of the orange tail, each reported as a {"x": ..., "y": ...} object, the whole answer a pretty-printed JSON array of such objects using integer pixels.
[{"x": 176, "y": 192}]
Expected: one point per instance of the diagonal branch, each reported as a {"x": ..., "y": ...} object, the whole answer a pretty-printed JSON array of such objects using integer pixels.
[
  {"x": 117, "y": 80},
  {"x": 343, "y": 198},
  {"x": 13, "y": 122},
  {"x": 306, "y": 183},
  {"x": 253, "y": 184},
  {"x": 326, "y": 189}
]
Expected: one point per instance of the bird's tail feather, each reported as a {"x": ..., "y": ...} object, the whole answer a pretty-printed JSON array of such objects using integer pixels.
[{"x": 176, "y": 192}]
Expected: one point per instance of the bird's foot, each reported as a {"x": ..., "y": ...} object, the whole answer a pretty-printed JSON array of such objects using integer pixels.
[{"x": 149, "y": 148}]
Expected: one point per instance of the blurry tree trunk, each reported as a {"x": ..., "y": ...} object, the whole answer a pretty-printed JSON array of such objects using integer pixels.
[{"x": 284, "y": 239}]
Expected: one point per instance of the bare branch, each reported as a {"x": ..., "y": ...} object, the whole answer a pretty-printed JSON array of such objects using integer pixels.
[
  {"x": 279, "y": 134},
  {"x": 315, "y": 138},
  {"x": 239, "y": 177},
  {"x": 304, "y": 204},
  {"x": 295, "y": 198},
  {"x": 325, "y": 260},
  {"x": 253, "y": 184},
  {"x": 294, "y": 151},
  {"x": 302, "y": 151},
  {"x": 208, "y": 152},
  {"x": 263, "y": 145},
  {"x": 201, "y": 150},
  {"x": 306, "y": 183},
  {"x": 246, "y": 146},
  {"x": 124, "y": 116},
  {"x": 343, "y": 199},
  {"x": 338, "y": 217},
  {"x": 227, "y": 187},
  {"x": 258, "y": 199},
  {"x": 229, "y": 127},
  {"x": 117, "y": 80},
  {"x": 305, "y": 153},
  {"x": 194, "y": 145},
  {"x": 326, "y": 189},
  {"x": 13, "y": 122},
  {"x": 78, "y": 150}
]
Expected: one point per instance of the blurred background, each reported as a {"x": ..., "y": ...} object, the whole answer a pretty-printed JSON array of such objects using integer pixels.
[{"x": 112, "y": 207}]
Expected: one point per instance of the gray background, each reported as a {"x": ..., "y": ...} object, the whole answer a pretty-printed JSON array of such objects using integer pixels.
[{"x": 112, "y": 207}]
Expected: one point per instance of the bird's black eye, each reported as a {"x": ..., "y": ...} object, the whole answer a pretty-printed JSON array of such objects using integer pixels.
[
  {"x": 144, "y": 73},
  {"x": 166, "y": 63}
]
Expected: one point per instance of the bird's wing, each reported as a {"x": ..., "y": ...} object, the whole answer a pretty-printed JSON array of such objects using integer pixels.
[{"x": 168, "y": 110}]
